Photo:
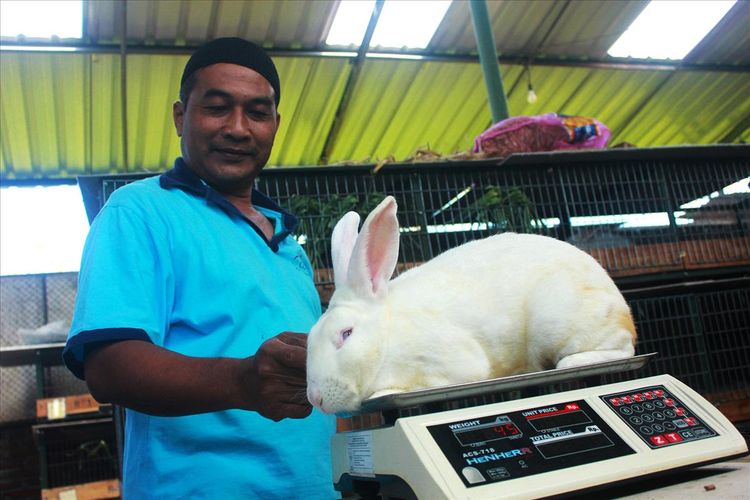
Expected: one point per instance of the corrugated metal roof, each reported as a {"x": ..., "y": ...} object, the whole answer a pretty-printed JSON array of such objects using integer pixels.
[
  {"x": 692, "y": 108},
  {"x": 728, "y": 42},
  {"x": 292, "y": 24},
  {"x": 400, "y": 106},
  {"x": 540, "y": 28},
  {"x": 61, "y": 113},
  {"x": 43, "y": 108},
  {"x": 312, "y": 90}
]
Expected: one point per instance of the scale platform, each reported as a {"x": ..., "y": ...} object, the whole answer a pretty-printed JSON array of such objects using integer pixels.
[{"x": 549, "y": 445}]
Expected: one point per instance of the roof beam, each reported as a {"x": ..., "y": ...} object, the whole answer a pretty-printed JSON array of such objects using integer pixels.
[
  {"x": 521, "y": 59},
  {"x": 737, "y": 131},
  {"x": 356, "y": 69},
  {"x": 124, "y": 82}
]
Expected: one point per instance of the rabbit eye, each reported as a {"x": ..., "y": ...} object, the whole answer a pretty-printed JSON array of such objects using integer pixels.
[{"x": 343, "y": 335}]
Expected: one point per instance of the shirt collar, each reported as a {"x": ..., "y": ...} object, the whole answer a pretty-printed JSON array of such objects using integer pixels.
[{"x": 181, "y": 177}]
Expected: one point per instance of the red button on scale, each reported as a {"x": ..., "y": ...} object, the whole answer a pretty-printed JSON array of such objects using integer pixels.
[
  {"x": 659, "y": 393},
  {"x": 690, "y": 421},
  {"x": 627, "y": 400},
  {"x": 649, "y": 395},
  {"x": 680, "y": 412},
  {"x": 638, "y": 397},
  {"x": 658, "y": 440},
  {"x": 669, "y": 402},
  {"x": 615, "y": 401},
  {"x": 673, "y": 437}
]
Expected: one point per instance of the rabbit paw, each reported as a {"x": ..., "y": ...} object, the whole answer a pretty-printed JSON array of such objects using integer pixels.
[
  {"x": 586, "y": 358},
  {"x": 385, "y": 392}
]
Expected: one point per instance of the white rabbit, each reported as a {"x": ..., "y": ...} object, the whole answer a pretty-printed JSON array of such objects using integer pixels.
[{"x": 506, "y": 304}]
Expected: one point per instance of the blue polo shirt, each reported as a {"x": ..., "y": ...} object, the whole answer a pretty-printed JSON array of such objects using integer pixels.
[{"x": 168, "y": 260}]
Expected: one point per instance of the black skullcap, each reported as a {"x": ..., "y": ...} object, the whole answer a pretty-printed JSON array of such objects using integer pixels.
[{"x": 234, "y": 51}]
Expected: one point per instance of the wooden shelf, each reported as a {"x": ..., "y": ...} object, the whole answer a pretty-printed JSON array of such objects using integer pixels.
[
  {"x": 46, "y": 354},
  {"x": 61, "y": 407},
  {"x": 87, "y": 491}
]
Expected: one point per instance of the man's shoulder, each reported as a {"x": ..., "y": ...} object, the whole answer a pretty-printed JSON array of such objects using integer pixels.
[
  {"x": 140, "y": 193},
  {"x": 137, "y": 204}
]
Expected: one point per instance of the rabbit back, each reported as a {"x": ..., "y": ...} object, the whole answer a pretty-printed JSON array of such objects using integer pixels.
[{"x": 530, "y": 301}]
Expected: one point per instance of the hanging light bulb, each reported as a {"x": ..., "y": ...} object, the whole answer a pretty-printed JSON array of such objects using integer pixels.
[{"x": 530, "y": 95}]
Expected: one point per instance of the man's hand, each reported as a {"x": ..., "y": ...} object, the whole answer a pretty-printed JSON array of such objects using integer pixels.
[{"x": 276, "y": 378}]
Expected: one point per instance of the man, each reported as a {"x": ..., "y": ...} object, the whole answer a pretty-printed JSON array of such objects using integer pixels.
[{"x": 183, "y": 277}]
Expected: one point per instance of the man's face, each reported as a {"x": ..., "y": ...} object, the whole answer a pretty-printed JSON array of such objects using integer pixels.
[{"x": 228, "y": 126}]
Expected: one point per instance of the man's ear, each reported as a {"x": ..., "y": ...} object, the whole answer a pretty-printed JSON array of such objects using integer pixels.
[{"x": 178, "y": 115}]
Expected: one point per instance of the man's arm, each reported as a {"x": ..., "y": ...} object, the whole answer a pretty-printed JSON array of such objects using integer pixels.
[{"x": 154, "y": 380}]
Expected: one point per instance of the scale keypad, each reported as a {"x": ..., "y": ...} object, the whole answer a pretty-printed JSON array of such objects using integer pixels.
[{"x": 658, "y": 417}]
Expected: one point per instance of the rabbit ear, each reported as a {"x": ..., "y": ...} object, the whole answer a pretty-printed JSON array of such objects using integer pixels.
[
  {"x": 376, "y": 251},
  {"x": 342, "y": 243}
]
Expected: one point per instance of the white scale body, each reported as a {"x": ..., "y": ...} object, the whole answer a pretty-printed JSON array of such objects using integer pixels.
[{"x": 540, "y": 446}]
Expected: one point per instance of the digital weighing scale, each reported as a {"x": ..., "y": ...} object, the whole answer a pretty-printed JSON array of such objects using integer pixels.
[{"x": 548, "y": 445}]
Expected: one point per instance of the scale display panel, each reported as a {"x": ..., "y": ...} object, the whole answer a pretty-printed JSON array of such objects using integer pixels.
[{"x": 523, "y": 443}]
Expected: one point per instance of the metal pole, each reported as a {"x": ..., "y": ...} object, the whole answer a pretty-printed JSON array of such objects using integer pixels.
[
  {"x": 124, "y": 81},
  {"x": 351, "y": 81},
  {"x": 488, "y": 60}
]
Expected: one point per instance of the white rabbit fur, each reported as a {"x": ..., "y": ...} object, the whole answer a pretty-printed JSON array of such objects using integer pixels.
[{"x": 506, "y": 304}]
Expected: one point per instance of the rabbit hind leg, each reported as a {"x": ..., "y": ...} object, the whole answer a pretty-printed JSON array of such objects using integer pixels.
[
  {"x": 385, "y": 392},
  {"x": 588, "y": 357}
]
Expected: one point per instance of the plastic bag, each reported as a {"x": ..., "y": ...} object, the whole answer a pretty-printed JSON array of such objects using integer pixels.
[
  {"x": 549, "y": 132},
  {"x": 54, "y": 332}
]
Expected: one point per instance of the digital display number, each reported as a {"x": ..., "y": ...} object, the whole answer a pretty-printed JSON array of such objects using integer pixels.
[
  {"x": 507, "y": 430},
  {"x": 501, "y": 428}
]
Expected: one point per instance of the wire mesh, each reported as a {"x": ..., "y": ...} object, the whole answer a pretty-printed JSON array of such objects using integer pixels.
[
  {"x": 19, "y": 463},
  {"x": 635, "y": 217},
  {"x": 28, "y": 303},
  {"x": 671, "y": 326},
  {"x": 725, "y": 319},
  {"x": 78, "y": 453},
  {"x": 715, "y": 224},
  {"x": 22, "y": 306}
]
